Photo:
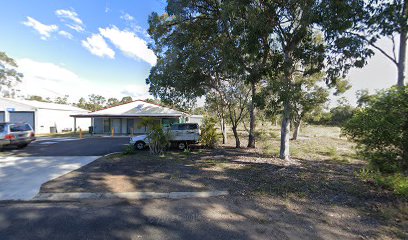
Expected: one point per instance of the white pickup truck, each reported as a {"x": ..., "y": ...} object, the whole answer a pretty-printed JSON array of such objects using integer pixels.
[{"x": 181, "y": 134}]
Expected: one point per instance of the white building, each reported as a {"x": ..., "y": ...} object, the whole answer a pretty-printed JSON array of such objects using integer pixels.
[
  {"x": 125, "y": 119},
  {"x": 44, "y": 117}
]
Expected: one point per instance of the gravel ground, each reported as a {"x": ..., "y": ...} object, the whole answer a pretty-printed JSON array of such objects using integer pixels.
[{"x": 317, "y": 199}]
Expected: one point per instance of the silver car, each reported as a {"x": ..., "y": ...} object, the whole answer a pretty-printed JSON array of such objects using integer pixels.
[
  {"x": 16, "y": 134},
  {"x": 181, "y": 134}
]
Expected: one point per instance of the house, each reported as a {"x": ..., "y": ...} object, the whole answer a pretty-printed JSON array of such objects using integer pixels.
[
  {"x": 126, "y": 118},
  {"x": 44, "y": 117}
]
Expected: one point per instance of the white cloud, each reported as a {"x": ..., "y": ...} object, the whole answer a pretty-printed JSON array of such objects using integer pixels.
[
  {"x": 130, "y": 44},
  {"x": 77, "y": 28},
  {"x": 97, "y": 46},
  {"x": 43, "y": 29},
  {"x": 65, "y": 34},
  {"x": 127, "y": 17},
  {"x": 136, "y": 91},
  {"x": 51, "y": 80},
  {"x": 71, "y": 16}
]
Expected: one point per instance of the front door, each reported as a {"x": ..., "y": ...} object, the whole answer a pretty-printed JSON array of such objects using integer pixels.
[
  {"x": 130, "y": 126},
  {"x": 116, "y": 125}
]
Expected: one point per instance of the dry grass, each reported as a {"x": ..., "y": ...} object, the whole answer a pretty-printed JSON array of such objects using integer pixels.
[
  {"x": 321, "y": 179},
  {"x": 314, "y": 143}
]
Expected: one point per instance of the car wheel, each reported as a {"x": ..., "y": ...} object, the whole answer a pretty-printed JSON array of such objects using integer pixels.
[
  {"x": 182, "y": 145},
  {"x": 22, "y": 146},
  {"x": 140, "y": 145}
]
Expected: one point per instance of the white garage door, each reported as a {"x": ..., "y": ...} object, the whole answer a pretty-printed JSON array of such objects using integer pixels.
[
  {"x": 26, "y": 117},
  {"x": 2, "y": 117}
]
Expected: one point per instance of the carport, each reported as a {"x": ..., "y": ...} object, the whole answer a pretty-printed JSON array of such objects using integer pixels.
[{"x": 125, "y": 119}]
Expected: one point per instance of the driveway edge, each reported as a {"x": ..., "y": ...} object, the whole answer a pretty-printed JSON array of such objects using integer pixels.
[{"x": 125, "y": 195}]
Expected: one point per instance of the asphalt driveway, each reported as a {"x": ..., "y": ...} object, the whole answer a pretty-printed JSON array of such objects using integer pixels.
[
  {"x": 23, "y": 171},
  {"x": 97, "y": 146}
]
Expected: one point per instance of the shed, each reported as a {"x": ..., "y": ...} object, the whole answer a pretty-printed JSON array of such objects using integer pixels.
[{"x": 44, "y": 117}]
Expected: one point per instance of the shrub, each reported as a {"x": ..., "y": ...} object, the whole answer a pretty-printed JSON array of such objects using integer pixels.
[
  {"x": 398, "y": 183},
  {"x": 341, "y": 114},
  {"x": 158, "y": 138},
  {"x": 129, "y": 150},
  {"x": 381, "y": 130},
  {"x": 209, "y": 132}
]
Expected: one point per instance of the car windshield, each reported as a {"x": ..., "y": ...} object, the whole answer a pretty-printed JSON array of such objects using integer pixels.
[
  {"x": 20, "y": 127},
  {"x": 2, "y": 127},
  {"x": 184, "y": 127}
]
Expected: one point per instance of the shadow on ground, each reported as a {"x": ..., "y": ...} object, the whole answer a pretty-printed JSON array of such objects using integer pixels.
[{"x": 269, "y": 199}]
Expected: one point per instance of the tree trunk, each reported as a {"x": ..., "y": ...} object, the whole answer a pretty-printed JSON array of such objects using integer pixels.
[
  {"x": 402, "y": 49},
  {"x": 237, "y": 142},
  {"x": 224, "y": 131},
  {"x": 296, "y": 129},
  {"x": 285, "y": 131},
  {"x": 251, "y": 138}
]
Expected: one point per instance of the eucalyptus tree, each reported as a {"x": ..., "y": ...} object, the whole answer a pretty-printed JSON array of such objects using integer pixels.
[
  {"x": 269, "y": 39},
  {"x": 231, "y": 95},
  {"x": 216, "y": 104},
  {"x": 9, "y": 76},
  {"x": 309, "y": 96},
  {"x": 112, "y": 102},
  {"x": 308, "y": 33},
  {"x": 381, "y": 19},
  {"x": 197, "y": 40}
]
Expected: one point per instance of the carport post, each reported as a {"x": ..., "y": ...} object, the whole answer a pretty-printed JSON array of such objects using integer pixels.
[{"x": 75, "y": 124}]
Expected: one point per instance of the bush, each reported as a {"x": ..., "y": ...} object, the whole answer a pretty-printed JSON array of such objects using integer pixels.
[
  {"x": 158, "y": 138},
  {"x": 341, "y": 114},
  {"x": 381, "y": 130},
  {"x": 209, "y": 132},
  {"x": 398, "y": 183},
  {"x": 129, "y": 150}
]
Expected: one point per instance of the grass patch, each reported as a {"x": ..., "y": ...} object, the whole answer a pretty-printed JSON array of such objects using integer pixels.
[
  {"x": 398, "y": 183},
  {"x": 314, "y": 143}
]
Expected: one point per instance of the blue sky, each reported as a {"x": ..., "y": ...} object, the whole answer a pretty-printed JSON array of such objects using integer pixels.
[
  {"x": 79, "y": 47},
  {"x": 83, "y": 47}
]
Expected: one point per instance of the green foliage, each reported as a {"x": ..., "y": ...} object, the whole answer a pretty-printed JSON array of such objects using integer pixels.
[
  {"x": 381, "y": 130},
  {"x": 159, "y": 139},
  {"x": 94, "y": 102},
  {"x": 209, "y": 132},
  {"x": 112, "y": 102},
  {"x": 38, "y": 98},
  {"x": 62, "y": 100},
  {"x": 9, "y": 77},
  {"x": 341, "y": 114},
  {"x": 398, "y": 183},
  {"x": 126, "y": 99},
  {"x": 129, "y": 150}
]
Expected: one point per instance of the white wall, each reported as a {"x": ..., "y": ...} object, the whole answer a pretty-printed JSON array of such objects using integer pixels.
[
  {"x": 4, "y": 104},
  {"x": 46, "y": 118}
]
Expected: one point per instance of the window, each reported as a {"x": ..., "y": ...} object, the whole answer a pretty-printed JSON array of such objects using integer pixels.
[
  {"x": 2, "y": 127},
  {"x": 20, "y": 128},
  {"x": 106, "y": 125},
  {"x": 184, "y": 127},
  {"x": 167, "y": 122},
  {"x": 192, "y": 126}
]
